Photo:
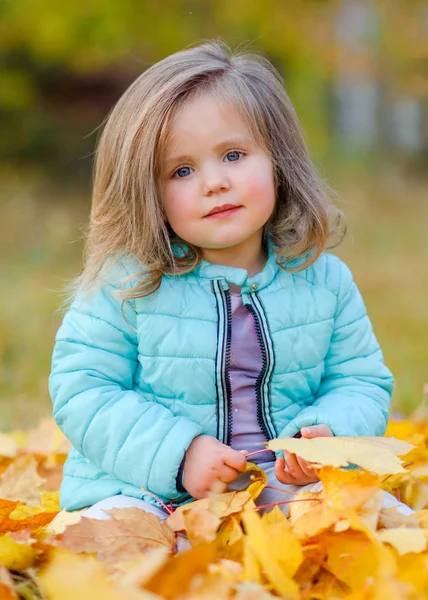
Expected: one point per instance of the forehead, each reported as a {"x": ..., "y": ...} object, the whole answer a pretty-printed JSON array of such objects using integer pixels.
[{"x": 208, "y": 118}]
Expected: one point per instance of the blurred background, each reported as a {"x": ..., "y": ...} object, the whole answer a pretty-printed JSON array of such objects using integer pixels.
[{"x": 357, "y": 73}]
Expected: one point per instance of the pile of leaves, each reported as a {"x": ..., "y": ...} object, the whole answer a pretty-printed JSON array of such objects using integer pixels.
[{"x": 339, "y": 542}]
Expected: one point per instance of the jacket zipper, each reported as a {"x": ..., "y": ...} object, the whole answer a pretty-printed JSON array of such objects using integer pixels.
[
  {"x": 224, "y": 340},
  {"x": 222, "y": 362},
  {"x": 263, "y": 380}
]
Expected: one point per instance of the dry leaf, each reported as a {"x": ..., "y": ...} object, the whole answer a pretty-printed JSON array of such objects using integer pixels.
[
  {"x": 261, "y": 545},
  {"x": 7, "y": 591},
  {"x": 258, "y": 479},
  {"x": 63, "y": 520},
  {"x": 221, "y": 505},
  {"x": 390, "y": 518},
  {"x": 174, "y": 578},
  {"x": 16, "y": 551},
  {"x": 8, "y": 446},
  {"x": 403, "y": 539},
  {"x": 68, "y": 577},
  {"x": 128, "y": 532},
  {"x": 376, "y": 454},
  {"x": 21, "y": 482},
  {"x": 342, "y": 495}
]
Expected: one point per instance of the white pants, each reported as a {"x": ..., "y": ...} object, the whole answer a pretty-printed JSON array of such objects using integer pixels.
[{"x": 268, "y": 496}]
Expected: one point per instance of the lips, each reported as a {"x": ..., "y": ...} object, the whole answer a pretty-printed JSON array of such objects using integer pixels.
[{"x": 222, "y": 209}]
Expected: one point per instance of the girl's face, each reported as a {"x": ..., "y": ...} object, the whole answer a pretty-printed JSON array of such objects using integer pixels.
[{"x": 211, "y": 161}]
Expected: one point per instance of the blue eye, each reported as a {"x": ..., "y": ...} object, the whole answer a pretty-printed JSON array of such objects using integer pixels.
[
  {"x": 182, "y": 172},
  {"x": 234, "y": 155}
]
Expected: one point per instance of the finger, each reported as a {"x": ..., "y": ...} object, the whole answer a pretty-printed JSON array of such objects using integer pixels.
[
  {"x": 281, "y": 474},
  {"x": 292, "y": 464},
  {"x": 227, "y": 474},
  {"x": 217, "y": 487},
  {"x": 309, "y": 471},
  {"x": 233, "y": 458},
  {"x": 316, "y": 431}
]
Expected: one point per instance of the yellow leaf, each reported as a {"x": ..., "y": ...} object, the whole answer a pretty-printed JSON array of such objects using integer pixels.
[
  {"x": 50, "y": 501},
  {"x": 6, "y": 585},
  {"x": 21, "y": 482},
  {"x": 221, "y": 505},
  {"x": 63, "y": 520},
  {"x": 173, "y": 579},
  {"x": 352, "y": 557},
  {"x": 403, "y": 539},
  {"x": 8, "y": 446},
  {"x": 376, "y": 454},
  {"x": 261, "y": 546},
  {"x": 258, "y": 480},
  {"x": 15, "y": 552},
  {"x": 68, "y": 577},
  {"x": 342, "y": 498},
  {"x": 230, "y": 540},
  {"x": 274, "y": 516},
  {"x": 251, "y": 565}
]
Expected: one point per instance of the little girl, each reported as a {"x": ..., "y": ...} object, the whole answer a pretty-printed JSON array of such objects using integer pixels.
[{"x": 208, "y": 317}]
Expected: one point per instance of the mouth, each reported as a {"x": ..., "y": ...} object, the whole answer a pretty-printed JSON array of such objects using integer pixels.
[{"x": 224, "y": 210}]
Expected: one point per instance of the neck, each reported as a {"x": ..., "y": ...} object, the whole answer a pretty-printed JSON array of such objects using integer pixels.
[{"x": 248, "y": 255}]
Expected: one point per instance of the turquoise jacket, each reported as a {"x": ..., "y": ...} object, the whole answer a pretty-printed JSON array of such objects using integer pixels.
[{"x": 132, "y": 389}]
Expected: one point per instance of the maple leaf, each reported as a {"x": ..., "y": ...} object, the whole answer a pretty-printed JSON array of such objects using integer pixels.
[
  {"x": 342, "y": 495},
  {"x": 7, "y": 591},
  {"x": 128, "y": 532},
  {"x": 219, "y": 505},
  {"x": 67, "y": 577},
  {"x": 403, "y": 539},
  {"x": 229, "y": 539},
  {"x": 267, "y": 555},
  {"x": 21, "y": 481},
  {"x": 376, "y": 454},
  {"x": 174, "y": 578},
  {"x": 16, "y": 550},
  {"x": 8, "y": 446},
  {"x": 258, "y": 480}
]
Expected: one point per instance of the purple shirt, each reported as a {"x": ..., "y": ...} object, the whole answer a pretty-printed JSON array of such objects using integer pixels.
[{"x": 245, "y": 366}]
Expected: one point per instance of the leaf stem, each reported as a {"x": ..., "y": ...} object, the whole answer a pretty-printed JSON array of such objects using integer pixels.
[{"x": 164, "y": 506}]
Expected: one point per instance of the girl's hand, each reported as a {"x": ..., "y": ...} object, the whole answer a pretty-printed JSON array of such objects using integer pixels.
[
  {"x": 210, "y": 466},
  {"x": 294, "y": 470}
]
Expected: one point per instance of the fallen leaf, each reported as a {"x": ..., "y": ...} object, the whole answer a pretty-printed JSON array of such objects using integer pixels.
[
  {"x": 128, "y": 532},
  {"x": 403, "y": 539},
  {"x": 7, "y": 591},
  {"x": 68, "y": 577},
  {"x": 47, "y": 439},
  {"x": 261, "y": 545},
  {"x": 230, "y": 539},
  {"x": 390, "y": 518},
  {"x": 258, "y": 480},
  {"x": 8, "y": 446},
  {"x": 221, "y": 505},
  {"x": 63, "y": 520},
  {"x": 342, "y": 495},
  {"x": 16, "y": 551},
  {"x": 21, "y": 482},
  {"x": 174, "y": 578},
  {"x": 375, "y": 454}
]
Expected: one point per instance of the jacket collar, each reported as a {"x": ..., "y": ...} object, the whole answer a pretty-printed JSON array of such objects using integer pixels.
[{"x": 236, "y": 276}]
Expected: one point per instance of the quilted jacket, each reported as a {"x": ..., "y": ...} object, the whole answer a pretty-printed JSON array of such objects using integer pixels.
[{"x": 131, "y": 388}]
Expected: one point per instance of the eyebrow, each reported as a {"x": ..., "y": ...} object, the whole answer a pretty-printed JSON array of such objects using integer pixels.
[{"x": 235, "y": 141}]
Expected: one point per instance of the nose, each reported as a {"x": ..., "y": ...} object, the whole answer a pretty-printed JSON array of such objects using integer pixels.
[{"x": 215, "y": 180}]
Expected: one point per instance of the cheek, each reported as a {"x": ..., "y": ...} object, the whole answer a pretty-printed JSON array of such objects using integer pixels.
[{"x": 261, "y": 187}]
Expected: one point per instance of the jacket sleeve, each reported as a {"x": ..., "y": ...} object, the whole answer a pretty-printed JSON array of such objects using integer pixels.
[
  {"x": 125, "y": 433},
  {"x": 355, "y": 392}
]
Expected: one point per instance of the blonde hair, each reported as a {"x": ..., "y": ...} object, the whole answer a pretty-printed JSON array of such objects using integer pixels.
[{"x": 127, "y": 217}]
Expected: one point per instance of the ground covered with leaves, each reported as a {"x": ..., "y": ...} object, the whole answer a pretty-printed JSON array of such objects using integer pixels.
[{"x": 336, "y": 543}]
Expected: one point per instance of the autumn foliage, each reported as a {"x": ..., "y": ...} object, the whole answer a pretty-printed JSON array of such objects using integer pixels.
[{"x": 336, "y": 543}]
